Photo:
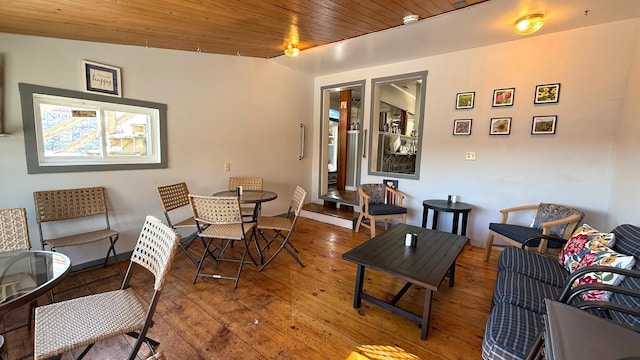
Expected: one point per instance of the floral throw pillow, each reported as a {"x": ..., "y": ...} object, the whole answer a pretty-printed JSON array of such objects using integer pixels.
[
  {"x": 602, "y": 255},
  {"x": 583, "y": 239}
]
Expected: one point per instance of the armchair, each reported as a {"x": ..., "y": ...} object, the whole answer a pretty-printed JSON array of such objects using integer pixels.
[
  {"x": 547, "y": 219},
  {"x": 379, "y": 202}
]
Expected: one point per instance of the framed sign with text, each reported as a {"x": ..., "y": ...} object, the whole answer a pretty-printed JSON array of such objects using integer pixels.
[{"x": 101, "y": 79}]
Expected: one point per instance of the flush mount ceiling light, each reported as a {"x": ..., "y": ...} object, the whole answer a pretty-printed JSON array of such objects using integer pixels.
[
  {"x": 410, "y": 19},
  {"x": 291, "y": 51},
  {"x": 529, "y": 24}
]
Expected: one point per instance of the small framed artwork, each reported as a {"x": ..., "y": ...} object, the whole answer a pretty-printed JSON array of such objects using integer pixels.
[
  {"x": 546, "y": 94},
  {"x": 544, "y": 125},
  {"x": 101, "y": 79},
  {"x": 465, "y": 100},
  {"x": 500, "y": 126},
  {"x": 462, "y": 127},
  {"x": 503, "y": 97}
]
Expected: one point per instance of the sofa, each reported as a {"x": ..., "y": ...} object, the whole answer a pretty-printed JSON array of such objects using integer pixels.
[{"x": 595, "y": 271}]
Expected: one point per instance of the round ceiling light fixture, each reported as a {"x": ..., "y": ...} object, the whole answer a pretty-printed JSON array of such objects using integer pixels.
[
  {"x": 291, "y": 51},
  {"x": 410, "y": 19},
  {"x": 529, "y": 24}
]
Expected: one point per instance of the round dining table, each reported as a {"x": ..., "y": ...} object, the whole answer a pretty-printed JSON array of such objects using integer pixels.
[
  {"x": 251, "y": 197},
  {"x": 25, "y": 275}
]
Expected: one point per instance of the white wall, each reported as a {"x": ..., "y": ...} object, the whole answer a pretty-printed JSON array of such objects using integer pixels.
[
  {"x": 245, "y": 111},
  {"x": 625, "y": 195},
  {"x": 573, "y": 167}
]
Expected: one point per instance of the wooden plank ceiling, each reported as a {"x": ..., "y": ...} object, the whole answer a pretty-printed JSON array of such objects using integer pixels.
[{"x": 257, "y": 28}]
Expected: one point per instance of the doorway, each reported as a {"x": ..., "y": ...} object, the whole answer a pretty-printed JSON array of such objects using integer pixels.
[{"x": 341, "y": 142}]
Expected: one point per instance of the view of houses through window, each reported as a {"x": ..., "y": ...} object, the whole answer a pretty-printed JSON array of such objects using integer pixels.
[{"x": 86, "y": 132}]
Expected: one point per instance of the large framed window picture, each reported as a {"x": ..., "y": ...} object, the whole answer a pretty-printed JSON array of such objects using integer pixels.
[{"x": 101, "y": 79}]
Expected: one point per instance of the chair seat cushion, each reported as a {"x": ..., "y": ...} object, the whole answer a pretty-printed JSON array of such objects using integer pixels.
[
  {"x": 510, "y": 332},
  {"x": 525, "y": 292},
  {"x": 533, "y": 265},
  {"x": 386, "y": 209},
  {"x": 520, "y": 234}
]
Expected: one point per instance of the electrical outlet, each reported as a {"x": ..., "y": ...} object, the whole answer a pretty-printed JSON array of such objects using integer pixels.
[
  {"x": 471, "y": 155},
  {"x": 227, "y": 167}
]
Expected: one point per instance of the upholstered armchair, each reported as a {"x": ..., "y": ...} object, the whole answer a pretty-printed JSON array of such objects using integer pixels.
[
  {"x": 379, "y": 202},
  {"x": 547, "y": 219}
]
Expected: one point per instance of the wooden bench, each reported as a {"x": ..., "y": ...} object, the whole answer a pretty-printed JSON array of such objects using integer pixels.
[{"x": 75, "y": 204}]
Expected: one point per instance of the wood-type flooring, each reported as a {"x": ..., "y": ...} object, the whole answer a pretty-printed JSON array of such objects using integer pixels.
[{"x": 289, "y": 312}]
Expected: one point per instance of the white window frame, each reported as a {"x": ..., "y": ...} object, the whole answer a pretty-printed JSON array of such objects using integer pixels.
[{"x": 37, "y": 162}]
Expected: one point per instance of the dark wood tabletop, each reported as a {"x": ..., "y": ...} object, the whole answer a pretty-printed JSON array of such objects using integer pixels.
[{"x": 426, "y": 264}]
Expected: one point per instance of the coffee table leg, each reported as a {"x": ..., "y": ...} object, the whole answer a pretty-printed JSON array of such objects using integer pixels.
[
  {"x": 426, "y": 313},
  {"x": 452, "y": 274},
  {"x": 357, "y": 299}
]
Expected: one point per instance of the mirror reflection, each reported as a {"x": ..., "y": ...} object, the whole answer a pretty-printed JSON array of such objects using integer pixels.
[
  {"x": 341, "y": 142},
  {"x": 396, "y": 125}
]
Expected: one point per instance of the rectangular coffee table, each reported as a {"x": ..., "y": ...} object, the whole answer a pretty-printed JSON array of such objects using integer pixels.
[{"x": 426, "y": 264}]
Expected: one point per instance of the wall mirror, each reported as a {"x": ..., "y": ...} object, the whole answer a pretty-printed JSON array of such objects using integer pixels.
[
  {"x": 397, "y": 115},
  {"x": 340, "y": 141}
]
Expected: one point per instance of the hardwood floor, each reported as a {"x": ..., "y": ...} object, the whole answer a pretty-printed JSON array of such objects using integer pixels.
[{"x": 289, "y": 312}]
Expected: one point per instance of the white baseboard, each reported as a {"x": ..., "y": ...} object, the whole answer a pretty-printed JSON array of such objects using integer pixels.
[{"x": 327, "y": 219}]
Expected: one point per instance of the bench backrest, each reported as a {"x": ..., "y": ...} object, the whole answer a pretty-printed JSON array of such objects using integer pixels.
[{"x": 54, "y": 205}]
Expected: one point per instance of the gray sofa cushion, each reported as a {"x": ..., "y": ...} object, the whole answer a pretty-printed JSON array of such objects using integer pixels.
[
  {"x": 510, "y": 332},
  {"x": 523, "y": 291},
  {"x": 533, "y": 265}
]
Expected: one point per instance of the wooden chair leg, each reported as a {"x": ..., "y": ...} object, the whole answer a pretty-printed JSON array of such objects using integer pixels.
[
  {"x": 357, "y": 229},
  {"x": 487, "y": 253},
  {"x": 372, "y": 226}
]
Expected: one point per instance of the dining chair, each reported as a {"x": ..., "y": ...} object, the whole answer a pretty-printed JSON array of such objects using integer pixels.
[
  {"x": 67, "y": 325},
  {"x": 546, "y": 219},
  {"x": 14, "y": 236},
  {"x": 219, "y": 217},
  {"x": 249, "y": 184},
  {"x": 174, "y": 199},
  {"x": 14, "y": 232},
  {"x": 278, "y": 224},
  {"x": 379, "y": 202}
]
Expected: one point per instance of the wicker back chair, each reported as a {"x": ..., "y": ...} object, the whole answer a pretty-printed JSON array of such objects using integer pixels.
[
  {"x": 74, "y": 204},
  {"x": 14, "y": 233},
  {"x": 248, "y": 184},
  {"x": 219, "y": 217},
  {"x": 174, "y": 198},
  {"x": 63, "y": 326},
  {"x": 278, "y": 224},
  {"x": 546, "y": 219}
]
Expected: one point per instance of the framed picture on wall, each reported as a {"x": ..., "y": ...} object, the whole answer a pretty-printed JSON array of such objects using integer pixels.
[
  {"x": 546, "y": 94},
  {"x": 500, "y": 126},
  {"x": 544, "y": 125},
  {"x": 462, "y": 127},
  {"x": 465, "y": 100},
  {"x": 503, "y": 97},
  {"x": 101, "y": 79}
]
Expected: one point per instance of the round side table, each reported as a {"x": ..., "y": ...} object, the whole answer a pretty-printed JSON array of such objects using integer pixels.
[{"x": 456, "y": 208}]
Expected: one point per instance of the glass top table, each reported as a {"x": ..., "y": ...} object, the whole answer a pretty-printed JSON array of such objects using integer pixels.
[
  {"x": 251, "y": 197},
  {"x": 28, "y": 274}
]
